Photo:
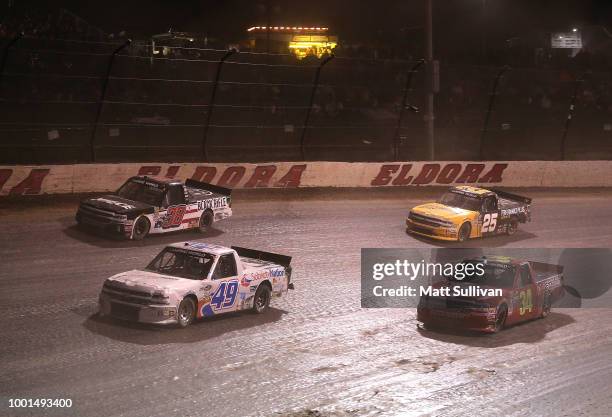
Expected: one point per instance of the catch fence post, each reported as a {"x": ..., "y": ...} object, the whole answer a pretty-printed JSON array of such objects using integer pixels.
[
  {"x": 315, "y": 84},
  {"x": 404, "y": 104},
  {"x": 211, "y": 103},
  {"x": 92, "y": 140},
  {"x": 570, "y": 114},
  {"x": 492, "y": 96},
  {"x": 5, "y": 53}
]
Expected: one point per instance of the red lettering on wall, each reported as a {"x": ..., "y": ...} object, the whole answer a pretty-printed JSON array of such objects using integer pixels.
[
  {"x": 172, "y": 171},
  {"x": 32, "y": 184},
  {"x": 261, "y": 176},
  {"x": 428, "y": 173},
  {"x": 204, "y": 174},
  {"x": 495, "y": 174},
  {"x": 5, "y": 174},
  {"x": 292, "y": 178},
  {"x": 149, "y": 170},
  {"x": 471, "y": 173},
  {"x": 403, "y": 178},
  {"x": 448, "y": 173},
  {"x": 232, "y": 176},
  {"x": 384, "y": 175}
]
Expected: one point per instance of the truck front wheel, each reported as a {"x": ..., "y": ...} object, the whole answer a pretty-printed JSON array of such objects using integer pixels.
[
  {"x": 186, "y": 312},
  {"x": 141, "y": 228},
  {"x": 262, "y": 299},
  {"x": 464, "y": 232},
  {"x": 500, "y": 317}
]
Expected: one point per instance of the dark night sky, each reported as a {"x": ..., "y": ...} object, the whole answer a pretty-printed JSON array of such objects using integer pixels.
[{"x": 454, "y": 20}]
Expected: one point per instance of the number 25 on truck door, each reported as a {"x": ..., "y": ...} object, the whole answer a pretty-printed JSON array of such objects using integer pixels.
[{"x": 489, "y": 222}]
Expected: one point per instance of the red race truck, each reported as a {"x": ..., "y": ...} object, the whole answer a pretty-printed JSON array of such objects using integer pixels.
[{"x": 509, "y": 291}]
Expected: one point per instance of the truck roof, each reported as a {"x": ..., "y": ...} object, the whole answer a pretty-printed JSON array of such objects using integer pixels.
[
  {"x": 202, "y": 247},
  {"x": 475, "y": 191},
  {"x": 158, "y": 180}
]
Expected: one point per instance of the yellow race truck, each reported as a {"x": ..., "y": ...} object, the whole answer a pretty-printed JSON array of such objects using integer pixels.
[{"x": 466, "y": 212}]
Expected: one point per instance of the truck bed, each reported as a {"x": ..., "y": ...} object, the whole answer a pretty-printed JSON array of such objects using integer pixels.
[
  {"x": 505, "y": 203},
  {"x": 543, "y": 271},
  {"x": 253, "y": 263},
  {"x": 197, "y": 190},
  {"x": 197, "y": 194},
  {"x": 511, "y": 197}
]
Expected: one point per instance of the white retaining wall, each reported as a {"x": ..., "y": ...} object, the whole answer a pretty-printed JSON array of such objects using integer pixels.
[{"x": 54, "y": 179}]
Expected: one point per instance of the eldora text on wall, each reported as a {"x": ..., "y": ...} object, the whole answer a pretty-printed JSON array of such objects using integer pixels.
[{"x": 32, "y": 180}]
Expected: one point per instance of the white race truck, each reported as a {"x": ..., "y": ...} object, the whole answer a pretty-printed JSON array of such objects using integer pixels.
[{"x": 190, "y": 280}]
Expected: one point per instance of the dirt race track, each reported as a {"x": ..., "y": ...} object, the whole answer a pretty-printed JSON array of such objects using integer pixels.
[{"x": 316, "y": 352}]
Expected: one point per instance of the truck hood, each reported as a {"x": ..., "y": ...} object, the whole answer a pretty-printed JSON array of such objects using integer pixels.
[
  {"x": 440, "y": 211},
  {"x": 116, "y": 204},
  {"x": 151, "y": 281}
]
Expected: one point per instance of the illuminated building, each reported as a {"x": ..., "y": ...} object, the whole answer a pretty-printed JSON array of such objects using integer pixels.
[{"x": 300, "y": 40}]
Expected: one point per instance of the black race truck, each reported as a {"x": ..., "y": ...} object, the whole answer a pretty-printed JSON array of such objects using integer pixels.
[{"x": 148, "y": 205}]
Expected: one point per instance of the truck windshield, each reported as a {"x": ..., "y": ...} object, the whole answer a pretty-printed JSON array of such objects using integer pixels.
[
  {"x": 495, "y": 275},
  {"x": 181, "y": 263},
  {"x": 463, "y": 201},
  {"x": 144, "y": 192}
]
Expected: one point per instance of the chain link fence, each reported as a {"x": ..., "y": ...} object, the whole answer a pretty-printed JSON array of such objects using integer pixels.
[{"x": 82, "y": 101}]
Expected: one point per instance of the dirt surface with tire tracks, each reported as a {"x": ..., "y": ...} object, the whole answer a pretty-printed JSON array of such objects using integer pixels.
[{"x": 316, "y": 352}]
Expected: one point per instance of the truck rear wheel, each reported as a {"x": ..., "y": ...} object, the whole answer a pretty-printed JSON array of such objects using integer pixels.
[
  {"x": 500, "y": 317},
  {"x": 546, "y": 306},
  {"x": 141, "y": 228},
  {"x": 464, "y": 232},
  {"x": 261, "y": 302},
  {"x": 206, "y": 221},
  {"x": 512, "y": 227},
  {"x": 186, "y": 312}
]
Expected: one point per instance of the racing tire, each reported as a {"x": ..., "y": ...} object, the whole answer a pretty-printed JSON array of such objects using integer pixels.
[
  {"x": 464, "y": 232},
  {"x": 206, "y": 221},
  {"x": 261, "y": 301},
  {"x": 500, "y": 317},
  {"x": 546, "y": 306},
  {"x": 186, "y": 312},
  {"x": 141, "y": 228},
  {"x": 512, "y": 227}
]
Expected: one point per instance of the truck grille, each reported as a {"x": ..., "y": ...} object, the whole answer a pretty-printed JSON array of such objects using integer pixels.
[
  {"x": 429, "y": 221},
  {"x": 128, "y": 295},
  {"x": 89, "y": 214},
  {"x": 423, "y": 230}
]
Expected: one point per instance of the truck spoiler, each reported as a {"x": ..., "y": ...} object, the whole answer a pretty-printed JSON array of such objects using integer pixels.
[
  {"x": 208, "y": 187},
  {"x": 283, "y": 260},
  {"x": 511, "y": 196}
]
